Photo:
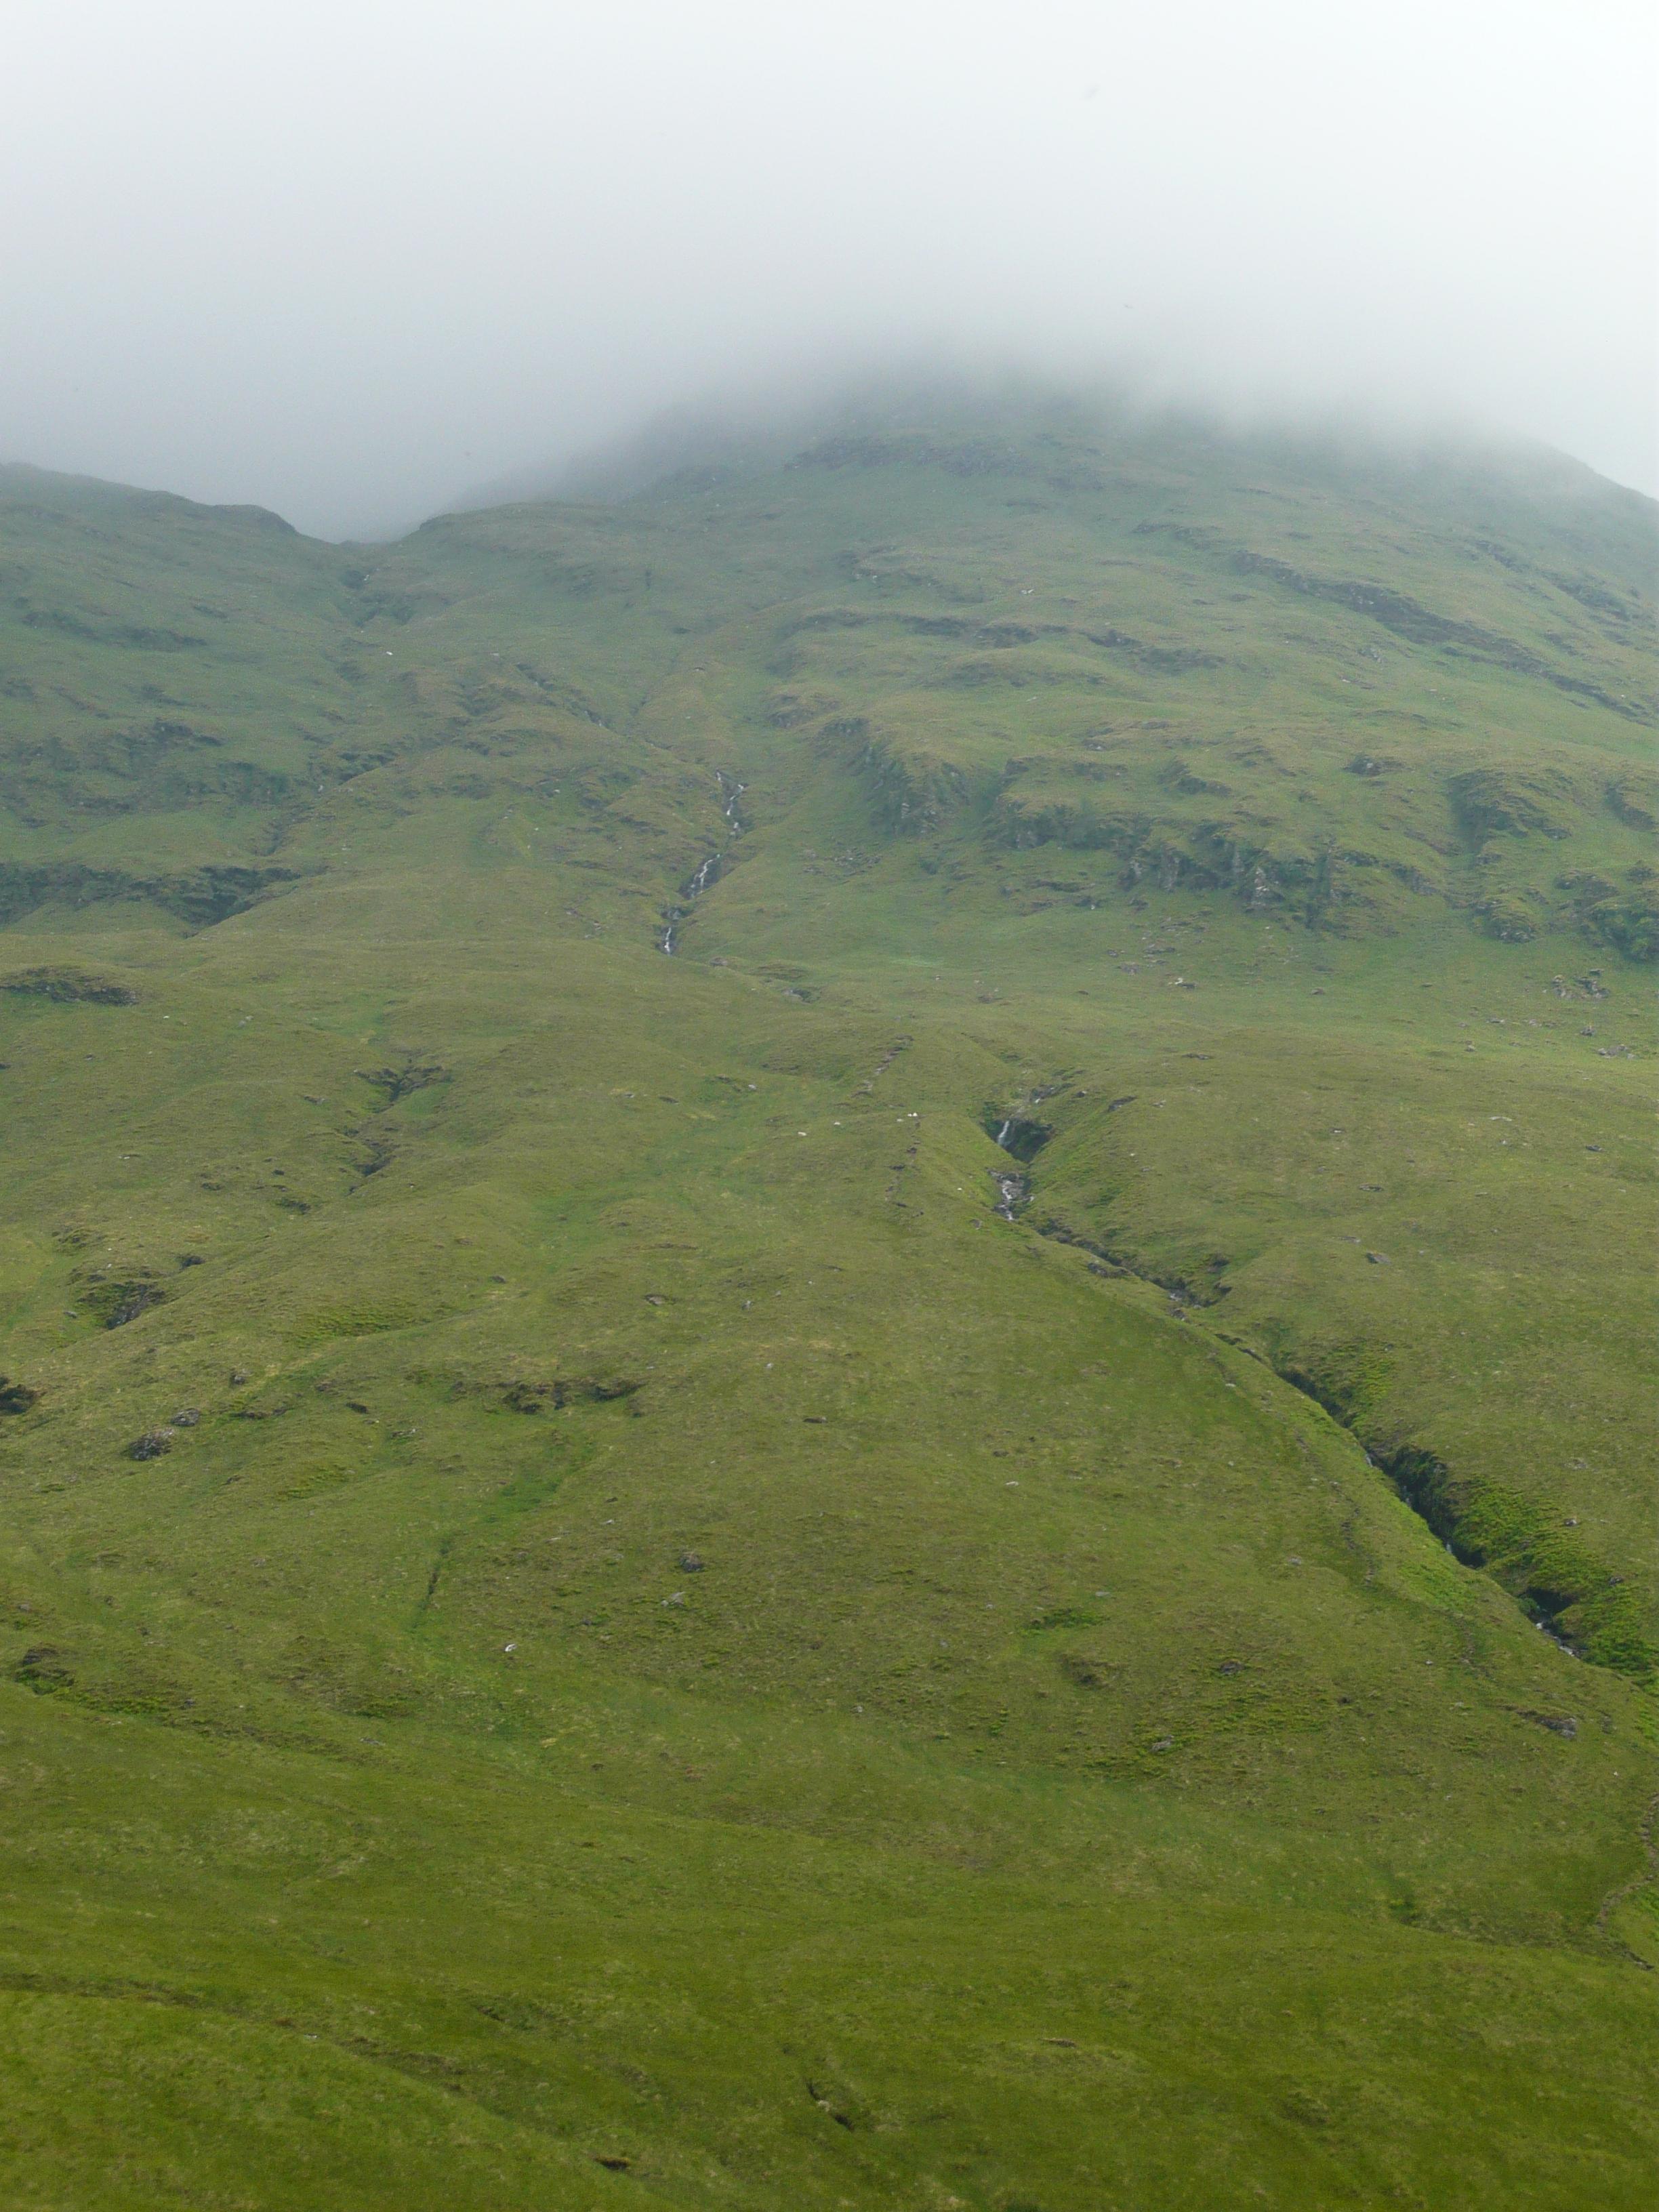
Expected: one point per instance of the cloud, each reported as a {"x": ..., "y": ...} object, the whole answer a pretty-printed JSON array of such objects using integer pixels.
[{"x": 350, "y": 259}]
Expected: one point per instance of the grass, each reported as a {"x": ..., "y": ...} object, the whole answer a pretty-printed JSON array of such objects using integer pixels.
[{"x": 679, "y": 1636}]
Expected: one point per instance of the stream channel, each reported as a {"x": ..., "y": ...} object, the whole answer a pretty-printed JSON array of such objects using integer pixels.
[
  {"x": 708, "y": 871},
  {"x": 1418, "y": 1477}
]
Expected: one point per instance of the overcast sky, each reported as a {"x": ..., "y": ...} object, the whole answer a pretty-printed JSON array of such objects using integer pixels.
[{"x": 350, "y": 259}]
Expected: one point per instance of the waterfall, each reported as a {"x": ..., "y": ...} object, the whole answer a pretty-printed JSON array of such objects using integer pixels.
[{"x": 730, "y": 792}]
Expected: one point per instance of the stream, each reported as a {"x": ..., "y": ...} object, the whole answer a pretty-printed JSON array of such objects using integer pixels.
[
  {"x": 1012, "y": 1190},
  {"x": 1415, "y": 1474},
  {"x": 708, "y": 870}
]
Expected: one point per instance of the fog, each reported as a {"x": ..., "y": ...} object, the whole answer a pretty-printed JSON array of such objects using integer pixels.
[{"x": 352, "y": 260}]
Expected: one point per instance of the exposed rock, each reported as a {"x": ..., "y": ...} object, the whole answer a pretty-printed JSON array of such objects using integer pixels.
[
  {"x": 66, "y": 985},
  {"x": 207, "y": 896},
  {"x": 113, "y": 1301},
  {"x": 1634, "y": 798},
  {"x": 151, "y": 1444},
  {"x": 43, "y": 1668},
  {"x": 526, "y": 1396},
  {"x": 396, "y": 1083},
  {"x": 1492, "y": 802}
]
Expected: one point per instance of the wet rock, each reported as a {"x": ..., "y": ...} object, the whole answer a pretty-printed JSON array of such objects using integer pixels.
[
  {"x": 1018, "y": 1135},
  {"x": 1011, "y": 1194},
  {"x": 151, "y": 1444}
]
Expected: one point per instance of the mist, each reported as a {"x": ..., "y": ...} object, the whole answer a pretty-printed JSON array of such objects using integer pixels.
[{"x": 354, "y": 261}]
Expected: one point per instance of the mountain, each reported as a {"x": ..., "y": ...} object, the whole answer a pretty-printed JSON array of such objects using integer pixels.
[{"x": 860, "y": 1413}]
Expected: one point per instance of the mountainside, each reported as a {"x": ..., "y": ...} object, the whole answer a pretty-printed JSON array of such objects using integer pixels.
[{"x": 861, "y": 1414}]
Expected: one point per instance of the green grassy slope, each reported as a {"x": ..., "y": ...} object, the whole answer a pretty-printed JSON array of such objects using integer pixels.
[{"x": 707, "y": 1634}]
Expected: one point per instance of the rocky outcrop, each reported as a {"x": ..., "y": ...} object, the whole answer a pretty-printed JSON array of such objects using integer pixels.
[{"x": 200, "y": 896}]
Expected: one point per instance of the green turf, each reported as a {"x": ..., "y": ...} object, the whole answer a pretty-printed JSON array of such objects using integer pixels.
[{"x": 698, "y": 1651}]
